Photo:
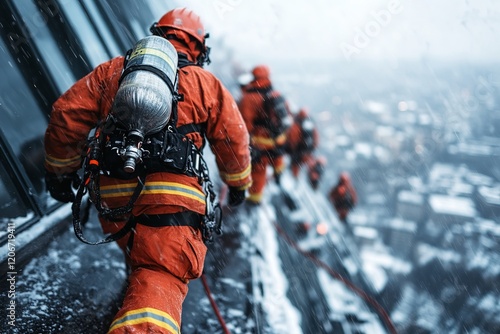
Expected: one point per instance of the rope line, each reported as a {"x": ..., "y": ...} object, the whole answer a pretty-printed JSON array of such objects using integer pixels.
[
  {"x": 214, "y": 305},
  {"x": 380, "y": 310}
]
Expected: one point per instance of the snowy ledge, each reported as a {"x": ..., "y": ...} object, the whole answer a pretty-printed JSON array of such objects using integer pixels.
[
  {"x": 282, "y": 316},
  {"x": 28, "y": 241}
]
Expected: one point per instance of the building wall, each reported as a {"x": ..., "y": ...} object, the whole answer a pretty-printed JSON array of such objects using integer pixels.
[{"x": 402, "y": 237}]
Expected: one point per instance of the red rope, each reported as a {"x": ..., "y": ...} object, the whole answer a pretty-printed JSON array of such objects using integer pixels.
[
  {"x": 381, "y": 311},
  {"x": 214, "y": 305}
]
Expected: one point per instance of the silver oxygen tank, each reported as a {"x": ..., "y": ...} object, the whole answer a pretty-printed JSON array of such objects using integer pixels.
[{"x": 143, "y": 103}]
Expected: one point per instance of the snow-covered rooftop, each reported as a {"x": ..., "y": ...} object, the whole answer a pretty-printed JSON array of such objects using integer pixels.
[
  {"x": 452, "y": 205},
  {"x": 401, "y": 224},
  {"x": 371, "y": 256},
  {"x": 410, "y": 197},
  {"x": 490, "y": 194},
  {"x": 365, "y": 232},
  {"x": 427, "y": 253}
]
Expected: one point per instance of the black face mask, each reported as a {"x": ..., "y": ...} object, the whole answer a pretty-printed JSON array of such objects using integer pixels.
[{"x": 204, "y": 57}]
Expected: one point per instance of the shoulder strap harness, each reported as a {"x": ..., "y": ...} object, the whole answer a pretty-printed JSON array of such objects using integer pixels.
[{"x": 168, "y": 150}]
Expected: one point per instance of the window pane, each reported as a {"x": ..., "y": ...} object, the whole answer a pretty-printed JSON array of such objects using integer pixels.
[
  {"x": 136, "y": 16},
  {"x": 102, "y": 28},
  {"x": 36, "y": 22},
  {"x": 22, "y": 123},
  {"x": 11, "y": 204},
  {"x": 83, "y": 28}
]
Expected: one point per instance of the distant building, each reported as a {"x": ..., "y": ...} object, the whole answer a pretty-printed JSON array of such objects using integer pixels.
[
  {"x": 410, "y": 205},
  {"x": 478, "y": 179},
  {"x": 442, "y": 177},
  {"x": 365, "y": 236},
  {"x": 479, "y": 155},
  {"x": 489, "y": 234},
  {"x": 488, "y": 202},
  {"x": 390, "y": 137},
  {"x": 459, "y": 237},
  {"x": 461, "y": 189},
  {"x": 401, "y": 236},
  {"x": 479, "y": 237},
  {"x": 446, "y": 210}
]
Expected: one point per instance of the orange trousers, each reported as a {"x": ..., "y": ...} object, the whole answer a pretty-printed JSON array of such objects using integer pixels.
[
  {"x": 342, "y": 213},
  {"x": 162, "y": 260},
  {"x": 297, "y": 162},
  {"x": 259, "y": 175}
]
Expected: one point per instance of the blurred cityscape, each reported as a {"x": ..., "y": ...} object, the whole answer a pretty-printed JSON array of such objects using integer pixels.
[{"x": 421, "y": 142}]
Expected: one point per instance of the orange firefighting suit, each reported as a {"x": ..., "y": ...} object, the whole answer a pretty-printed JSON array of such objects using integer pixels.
[
  {"x": 315, "y": 171},
  {"x": 343, "y": 197},
  {"x": 267, "y": 149},
  {"x": 295, "y": 146},
  {"x": 162, "y": 259}
]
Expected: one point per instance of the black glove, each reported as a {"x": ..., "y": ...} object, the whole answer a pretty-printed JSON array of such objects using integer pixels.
[
  {"x": 236, "y": 196},
  {"x": 60, "y": 186},
  {"x": 255, "y": 155},
  {"x": 279, "y": 149}
]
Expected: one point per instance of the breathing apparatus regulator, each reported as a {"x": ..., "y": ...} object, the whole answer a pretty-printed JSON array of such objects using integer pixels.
[{"x": 140, "y": 136}]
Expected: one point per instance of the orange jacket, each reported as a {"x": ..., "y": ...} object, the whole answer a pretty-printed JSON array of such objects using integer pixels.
[
  {"x": 316, "y": 168},
  {"x": 251, "y": 107},
  {"x": 206, "y": 101},
  {"x": 343, "y": 196},
  {"x": 295, "y": 137}
]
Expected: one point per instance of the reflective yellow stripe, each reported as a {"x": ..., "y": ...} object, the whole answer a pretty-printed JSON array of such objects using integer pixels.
[
  {"x": 269, "y": 142},
  {"x": 281, "y": 139},
  {"x": 237, "y": 176},
  {"x": 154, "y": 52},
  {"x": 256, "y": 198},
  {"x": 246, "y": 186},
  {"x": 146, "y": 315},
  {"x": 62, "y": 162},
  {"x": 279, "y": 169},
  {"x": 157, "y": 187}
]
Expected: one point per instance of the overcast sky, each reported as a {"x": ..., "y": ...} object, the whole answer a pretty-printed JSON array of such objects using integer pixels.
[{"x": 350, "y": 30}]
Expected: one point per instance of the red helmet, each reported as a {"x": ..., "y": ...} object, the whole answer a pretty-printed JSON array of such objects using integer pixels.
[
  {"x": 261, "y": 72},
  {"x": 321, "y": 160},
  {"x": 344, "y": 177},
  {"x": 185, "y": 20},
  {"x": 303, "y": 113}
]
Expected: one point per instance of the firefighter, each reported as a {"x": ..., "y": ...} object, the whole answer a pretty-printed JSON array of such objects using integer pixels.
[
  {"x": 302, "y": 140},
  {"x": 243, "y": 80},
  {"x": 316, "y": 170},
  {"x": 166, "y": 249},
  {"x": 267, "y": 118},
  {"x": 343, "y": 196}
]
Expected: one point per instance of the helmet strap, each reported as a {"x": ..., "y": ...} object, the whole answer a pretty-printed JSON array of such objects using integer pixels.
[{"x": 157, "y": 31}]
